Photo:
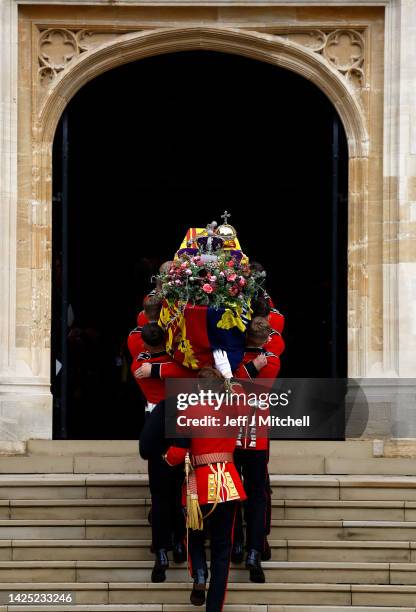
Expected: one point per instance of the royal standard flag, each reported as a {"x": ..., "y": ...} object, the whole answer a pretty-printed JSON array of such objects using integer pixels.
[{"x": 193, "y": 332}]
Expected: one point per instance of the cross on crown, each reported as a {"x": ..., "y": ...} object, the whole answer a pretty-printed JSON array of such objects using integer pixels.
[
  {"x": 226, "y": 230},
  {"x": 225, "y": 216}
]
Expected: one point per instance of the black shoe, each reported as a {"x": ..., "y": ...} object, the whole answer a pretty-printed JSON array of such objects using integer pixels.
[
  {"x": 179, "y": 553},
  {"x": 198, "y": 590},
  {"x": 160, "y": 566},
  {"x": 253, "y": 563},
  {"x": 266, "y": 555},
  {"x": 237, "y": 552}
]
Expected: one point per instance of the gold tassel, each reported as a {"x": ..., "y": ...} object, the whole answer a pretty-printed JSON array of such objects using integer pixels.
[{"x": 194, "y": 518}]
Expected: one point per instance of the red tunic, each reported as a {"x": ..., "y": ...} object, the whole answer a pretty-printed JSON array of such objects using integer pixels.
[
  {"x": 275, "y": 344},
  {"x": 173, "y": 369},
  {"x": 153, "y": 388},
  {"x": 142, "y": 319},
  {"x": 207, "y": 475},
  {"x": 163, "y": 367},
  {"x": 248, "y": 439},
  {"x": 276, "y": 320},
  {"x": 135, "y": 343}
]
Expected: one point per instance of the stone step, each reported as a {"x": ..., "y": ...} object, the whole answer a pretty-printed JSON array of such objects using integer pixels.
[
  {"x": 62, "y": 509},
  {"x": 139, "y": 550},
  {"x": 285, "y": 487},
  {"x": 281, "y": 529},
  {"x": 190, "y": 608},
  {"x": 95, "y": 508},
  {"x": 348, "y": 551},
  {"x": 84, "y": 550},
  {"x": 269, "y": 594},
  {"x": 74, "y": 486},
  {"x": 344, "y": 509},
  {"x": 280, "y": 463},
  {"x": 379, "y": 465},
  {"x": 274, "y": 597},
  {"x": 73, "y": 464},
  {"x": 131, "y": 528},
  {"x": 360, "y": 487},
  {"x": 161, "y": 608},
  {"x": 343, "y": 530},
  {"x": 282, "y": 571},
  {"x": 306, "y": 608},
  {"x": 278, "y": 448},
  {"x": 74, "y": 529}
]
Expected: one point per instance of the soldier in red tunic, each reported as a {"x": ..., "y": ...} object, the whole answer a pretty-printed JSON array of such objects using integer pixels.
[
  {"x": 262, "y": 308},
  {"x": 218, "y": 488},
  {"x": 168, "y": 527},
  {"x": 252, "y": 455},
  {"x": 152, "y": 304}
]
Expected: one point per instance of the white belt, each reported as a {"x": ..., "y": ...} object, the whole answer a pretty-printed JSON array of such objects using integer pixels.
[{"x": 149, "y": 407}]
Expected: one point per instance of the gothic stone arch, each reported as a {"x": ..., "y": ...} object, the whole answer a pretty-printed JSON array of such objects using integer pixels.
[{"x": 67, "y": 58}]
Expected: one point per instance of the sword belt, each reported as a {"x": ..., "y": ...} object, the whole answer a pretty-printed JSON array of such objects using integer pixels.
[{"x": 207, "y": 458}]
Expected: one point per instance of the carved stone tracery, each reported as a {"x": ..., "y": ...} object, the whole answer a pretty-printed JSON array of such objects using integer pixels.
[
  {"x": 59, "y": 47},
  {"x": 344, "y": 49}
]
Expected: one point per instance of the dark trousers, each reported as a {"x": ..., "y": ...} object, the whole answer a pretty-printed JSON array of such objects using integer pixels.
[
  {"x": 168, "y": 519},
  {"x": 252, "y": 465},
  {"x": 220, "y": 526}
]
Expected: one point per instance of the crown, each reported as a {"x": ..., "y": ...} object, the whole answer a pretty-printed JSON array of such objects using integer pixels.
[{"x": 213, "y": 238}]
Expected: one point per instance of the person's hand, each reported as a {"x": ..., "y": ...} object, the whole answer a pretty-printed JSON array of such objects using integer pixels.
[
  {"x": 260, "y": 361},
  {"x": 144, "y": 371},
  {"x": 221, "y": 363}
]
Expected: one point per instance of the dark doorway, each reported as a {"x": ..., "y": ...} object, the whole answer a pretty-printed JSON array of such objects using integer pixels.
[{"x": 169, "y": 142}]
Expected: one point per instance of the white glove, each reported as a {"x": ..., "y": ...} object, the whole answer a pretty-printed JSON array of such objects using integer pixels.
[{"x": 221, "y": 363}]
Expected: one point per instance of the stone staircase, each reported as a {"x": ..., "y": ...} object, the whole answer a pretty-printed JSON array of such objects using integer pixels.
[{"x": 340, "y": 541}]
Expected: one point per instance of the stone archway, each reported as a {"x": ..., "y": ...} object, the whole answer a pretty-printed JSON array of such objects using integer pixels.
[
  {"x": 272, "y": 49},
  {"x": 65, "y": 57}
]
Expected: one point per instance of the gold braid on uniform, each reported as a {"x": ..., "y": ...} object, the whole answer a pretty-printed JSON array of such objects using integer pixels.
[{"x": 219, "y": 474}]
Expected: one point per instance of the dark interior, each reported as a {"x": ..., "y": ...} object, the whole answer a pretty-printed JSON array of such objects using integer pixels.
[{"x": 169, "y": 142}]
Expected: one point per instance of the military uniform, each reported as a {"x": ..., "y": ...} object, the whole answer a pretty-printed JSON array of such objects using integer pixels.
[
  {"x": 219, "y": 489},
  {"x": 252, "y": 457},
  {"x": 153, "y": 388},
  {"x": 142, "y": 319},
  {"x": 135, "y": 343},
  {"x": 165, "y": 485}
]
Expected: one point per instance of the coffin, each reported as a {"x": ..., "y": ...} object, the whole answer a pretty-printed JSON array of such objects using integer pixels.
[{"x": 193, "y": 332}]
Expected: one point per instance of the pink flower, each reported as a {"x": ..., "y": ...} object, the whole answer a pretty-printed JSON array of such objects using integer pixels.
[
  {"x": 207, "y": 288},
  {"x": 212, "y": 278},
  {"x": 188, "y": 271},
  {"x": 184, "y": 264},
  {"x": 222, "y": 274},
  {"x": 241, "y": 281},
  {"x": 234, "y": 290},
  {"x": 232, "y": 277},
  {"x": 178, "y": 282},
  {"x": 230, "y": 263}
]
